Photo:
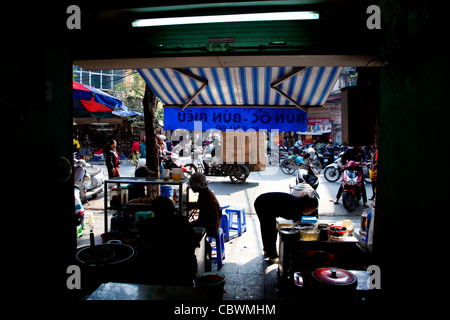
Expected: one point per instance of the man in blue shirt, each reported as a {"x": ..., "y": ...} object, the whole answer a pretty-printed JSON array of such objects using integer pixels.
[{"x": 143, "y": 149}]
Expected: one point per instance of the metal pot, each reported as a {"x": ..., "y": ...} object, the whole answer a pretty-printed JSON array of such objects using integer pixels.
[
  {"x": 105, "y": 254},
  {"x": 334, "y": 278},
  {"x": 108, "y": 262},
  {"x": 289, "y": 234}
]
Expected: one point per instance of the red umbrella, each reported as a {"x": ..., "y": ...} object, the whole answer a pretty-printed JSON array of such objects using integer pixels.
[{"x": 91, "y": 102}]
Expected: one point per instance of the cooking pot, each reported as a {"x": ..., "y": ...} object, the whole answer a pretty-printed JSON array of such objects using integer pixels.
[
  {"x": 298, "y": 189},
  {"x": 108, "y": 262},
  {"x": 105, "y": 254},
  {"x": 289, "y": 234},
  {"x": 334, "y": 278}
]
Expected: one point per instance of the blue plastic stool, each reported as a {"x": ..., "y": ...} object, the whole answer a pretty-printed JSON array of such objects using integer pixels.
[
  {"x": 219, "y": 248},
  {"x": 122, "y": 157},
  {"x": 96, "y": 158},
  {"x": 225, "y": 227},
  {"x": 224, "y": 224},
  {"x": 240, "y": 225}
]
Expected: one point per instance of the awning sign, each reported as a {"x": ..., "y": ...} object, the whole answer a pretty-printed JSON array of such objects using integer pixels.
[{"x": 283, "y": 119}]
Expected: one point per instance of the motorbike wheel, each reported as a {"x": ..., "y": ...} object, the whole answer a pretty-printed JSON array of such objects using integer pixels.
[
  {"x": 238, "y": 173},
  {"x": 288, "y": 165},
  {"x": 331, "y": 174},
  {"x": 349, "y": 201},
  {"x": 317, "y": 166}
]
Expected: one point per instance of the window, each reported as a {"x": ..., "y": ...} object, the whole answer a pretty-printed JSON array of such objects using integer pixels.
[{"x": 101, "y": 79}]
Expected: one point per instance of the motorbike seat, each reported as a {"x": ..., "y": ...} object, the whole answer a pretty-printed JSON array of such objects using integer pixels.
[{"x": 93, "y": 170}]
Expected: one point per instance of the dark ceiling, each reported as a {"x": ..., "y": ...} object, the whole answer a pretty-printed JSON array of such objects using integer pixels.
[
  {"x": 107, "y": 40},
  {"x": 341, "y": 31}
]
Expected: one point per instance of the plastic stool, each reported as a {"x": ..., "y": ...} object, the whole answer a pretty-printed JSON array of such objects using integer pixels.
[
  {"x": 224, "y": 224},
  {"x": 240, "y": 225},
  {"x": 225, "y": 227},
  {"x": 219, "y": 248},
  {"x": 122, "y": 157},
  {"x": 96, "y": 158}
]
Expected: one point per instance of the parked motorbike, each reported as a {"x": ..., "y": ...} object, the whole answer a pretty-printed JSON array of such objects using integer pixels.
[
  {"x": 291, "y": 164},
  {"x": 173, "y": 161},
  {"x": 351, "y": 185},
  {"x": 333, "y": 171},
  {"x": 307, "y": 175},
  {"x": 325, "y": 156},
  {"x": 277, "y": 158},
  {"x": 314, "y": 158},
  {"x": 366, "y": 174},
  {"x": 88, "y": 179}
]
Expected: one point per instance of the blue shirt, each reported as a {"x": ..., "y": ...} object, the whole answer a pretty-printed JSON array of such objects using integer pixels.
[{"x": 142, "y": 150}]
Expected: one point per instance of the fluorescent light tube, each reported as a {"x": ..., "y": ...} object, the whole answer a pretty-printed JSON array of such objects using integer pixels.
[{"x": 247, "y": 17}]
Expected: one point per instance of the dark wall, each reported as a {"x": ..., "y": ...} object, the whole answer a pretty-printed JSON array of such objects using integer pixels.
[
  {"x": 412, "y": 181},
  {"x": 36, "y": 99}
]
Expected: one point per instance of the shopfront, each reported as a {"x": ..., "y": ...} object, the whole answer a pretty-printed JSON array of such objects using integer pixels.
[
  {"x": 407, "y": 49},
  {"x": 319, "y": 131},
  {"x": 100, "y": 131}
]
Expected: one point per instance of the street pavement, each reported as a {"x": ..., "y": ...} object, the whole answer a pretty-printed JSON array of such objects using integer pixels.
[{"x": 242, "y": 195}]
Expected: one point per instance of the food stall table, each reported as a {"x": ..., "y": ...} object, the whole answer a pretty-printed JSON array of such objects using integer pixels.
[
  {"x": 129, "y": 291},
  {"x": 182, "y": 190},
  {"x": 123, "y": 267},
  {"x": 347, "y": 253}
]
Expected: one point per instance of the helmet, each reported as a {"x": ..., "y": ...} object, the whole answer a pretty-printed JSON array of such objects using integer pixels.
[{"x": 161, "y": 137}]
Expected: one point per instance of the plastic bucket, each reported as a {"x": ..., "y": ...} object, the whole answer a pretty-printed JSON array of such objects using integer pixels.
[
  {"x": 166, "y": 191},
  {"x": 214, "y": 281}
]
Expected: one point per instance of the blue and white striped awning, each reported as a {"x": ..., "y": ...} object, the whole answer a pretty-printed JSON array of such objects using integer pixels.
[{"x": 242, "y": 86}]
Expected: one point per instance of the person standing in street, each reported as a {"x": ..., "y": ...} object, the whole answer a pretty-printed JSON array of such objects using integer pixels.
[
  {"x": 373, "y": 172},
  {"x": 135, "y": 152},
  {"x": 76, "y": 145},
  {"x": 86, "y": 144},
  {"x": 112, "y": 159},
  {"x": 162, "y": 153},
  {"x": 143, "y": 149}
]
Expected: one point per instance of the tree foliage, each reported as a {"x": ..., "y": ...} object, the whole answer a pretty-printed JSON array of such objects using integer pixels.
[{"x": 131, "y": 92}]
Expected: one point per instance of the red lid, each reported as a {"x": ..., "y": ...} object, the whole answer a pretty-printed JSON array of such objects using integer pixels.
[
  {"x": 337, "y": 230},
  {"x": 334, "y": 276}
]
